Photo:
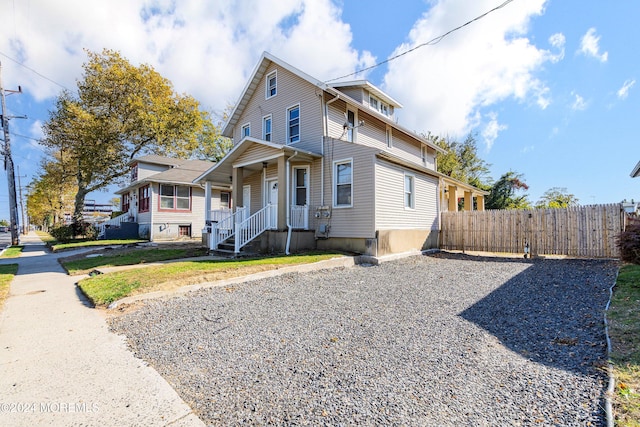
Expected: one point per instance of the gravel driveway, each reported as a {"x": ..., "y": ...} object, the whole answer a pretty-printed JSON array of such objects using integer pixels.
[{"x": 428, "y": 340}]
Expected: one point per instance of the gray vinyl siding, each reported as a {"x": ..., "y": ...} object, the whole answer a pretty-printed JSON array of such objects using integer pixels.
[
  {"x": 256, "y": 153},
  {"x": 389, "y": 204},
  {"x": 357, "y": 221},
  {"x": 256, "y": 183},
  {"x": 373, "y": 134},
  {"x": 195, "y": 218},
  {"x": 146, "y": 170},
  {"x": 356, "y": 93},
  {"x": 291, "y": 90}
]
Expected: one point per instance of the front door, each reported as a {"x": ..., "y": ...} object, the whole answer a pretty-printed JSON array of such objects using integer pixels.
[{"x": 272, "y": 199}]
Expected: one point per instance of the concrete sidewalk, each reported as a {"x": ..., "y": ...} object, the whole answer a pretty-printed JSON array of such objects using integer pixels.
[{"x": 60, "y": 365}]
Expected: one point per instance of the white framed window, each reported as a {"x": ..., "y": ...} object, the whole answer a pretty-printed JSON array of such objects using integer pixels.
[
  {"x": 246, "y": 130},
  {"x": 301, "y": 186},
  {"x": 293, "y": 124},
  {"x": 389, "y": 137},
  {"x": 343, "y": 183},
  {"x": 266, "y": 128},
  {"x": 373, "y": 103},
  {"x": 423, "y": 153},
  {"x": 378, "y": 105},
  {"x": 409, "y": 191},
  {"x": 351, "y": 125},
  {"x": 271, "y": 87}
]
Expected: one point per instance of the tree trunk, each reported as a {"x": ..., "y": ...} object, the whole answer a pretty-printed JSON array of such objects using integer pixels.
[{"x": 79, "y": 205}]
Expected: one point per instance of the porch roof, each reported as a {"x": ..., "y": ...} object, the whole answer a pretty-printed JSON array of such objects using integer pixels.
[
  {"x": 447, "y": 179},
  {"x": 222, "y": 170}
]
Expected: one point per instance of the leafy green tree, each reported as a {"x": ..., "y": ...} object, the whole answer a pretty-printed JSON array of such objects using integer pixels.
[
  {"x": 120, "y": 111},
  {"x": 4, "y": 223},
  {"x": 504, "y": 193},
  {"x": 461, "y": 161},
  {"x": 51, "y": 194},
  {"x": 557, "y": 197}
]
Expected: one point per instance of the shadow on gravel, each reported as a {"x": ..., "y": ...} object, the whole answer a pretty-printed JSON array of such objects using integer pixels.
[{"x": 551, "y": 313}]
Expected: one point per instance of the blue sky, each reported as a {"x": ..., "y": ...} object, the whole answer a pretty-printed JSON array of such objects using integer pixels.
[{"x": 548, "y": 87}]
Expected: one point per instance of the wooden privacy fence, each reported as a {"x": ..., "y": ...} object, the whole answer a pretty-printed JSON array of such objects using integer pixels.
[{"x": 583, "y": 231}]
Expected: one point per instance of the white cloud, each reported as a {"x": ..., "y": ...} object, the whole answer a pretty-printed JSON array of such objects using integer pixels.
[
  {"x": 579, "y": 103},
  {"x": 491, "y": 130},
  {"x": 207, "y": 49},
  {"x": 444, "y": 85},
  {"x": 623, "y": 92},
  {"x": 590, "y": 46}
]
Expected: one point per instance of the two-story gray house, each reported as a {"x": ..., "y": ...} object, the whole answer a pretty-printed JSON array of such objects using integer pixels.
[{"x": 326, "y": 166}]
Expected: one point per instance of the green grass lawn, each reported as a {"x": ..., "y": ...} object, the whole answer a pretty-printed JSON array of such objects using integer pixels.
[
  {"x": 135, "y": 256},
  {"x": 624, "y": 316},
  {"x": 12, "y": 252},
  {"x": 105, "y": 288},
  {"x": 55, "y": 247},
  {"x": 6, "y": 275}
]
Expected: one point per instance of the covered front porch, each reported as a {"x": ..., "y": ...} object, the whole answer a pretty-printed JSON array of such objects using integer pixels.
[{"x": 270, "y": 192}]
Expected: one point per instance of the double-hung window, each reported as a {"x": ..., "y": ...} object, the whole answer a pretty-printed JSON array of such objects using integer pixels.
[
  {"x": 351, "y": 125},
  {"x": 144, "y": 196},
  {"x": 342, "y": 181},
  {"x": 409, "y": 192},
  {"x": 175, "y": 197},
  {"x": 293, "y": 124},
  {"x": 389, "y": 137},
  {"x": 246, "y": 130},
  {"x": 272, "y": 85},
  {"x": 266, "y": 128}
]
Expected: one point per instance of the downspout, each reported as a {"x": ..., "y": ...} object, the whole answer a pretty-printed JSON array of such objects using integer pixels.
[
  {"x": 287, "y": 189},
  {"x": 326, "y": 134}
]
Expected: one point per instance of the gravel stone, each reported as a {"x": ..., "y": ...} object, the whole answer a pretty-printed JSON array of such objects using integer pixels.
[{"x": 441, "y": 340}]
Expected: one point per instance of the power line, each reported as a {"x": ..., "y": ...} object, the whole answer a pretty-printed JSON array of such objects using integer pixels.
[
  {"x": 429, "y": 43},
  {"x": 34, "y": 71}
]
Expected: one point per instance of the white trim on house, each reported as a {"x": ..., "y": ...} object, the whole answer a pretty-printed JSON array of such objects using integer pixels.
[
  {"x": 268, "y": 117},
  {"x": 244, "y": 134},
  {"x": 411, "y": 205},
  {"x": 288, "y": 124},
  {"x": 267, "y": 87},
  {"x": 334, "y": 184}
]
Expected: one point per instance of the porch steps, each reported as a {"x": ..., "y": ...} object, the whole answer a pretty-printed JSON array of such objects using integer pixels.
[{"x": 228, "y": 249}]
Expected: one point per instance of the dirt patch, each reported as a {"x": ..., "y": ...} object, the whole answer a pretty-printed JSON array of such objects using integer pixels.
[{"x": 192, "y": 248}]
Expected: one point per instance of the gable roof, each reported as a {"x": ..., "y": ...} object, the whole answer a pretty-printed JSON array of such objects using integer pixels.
[
  {"x": 254, "y": 83},
  {"x": 366, "y": 84},
  {"x": 636, "y": 171},
  {"x": 181, "y": 171},
  {"x": 221, "y": 171},
  {"x": 261, "y": 68}
]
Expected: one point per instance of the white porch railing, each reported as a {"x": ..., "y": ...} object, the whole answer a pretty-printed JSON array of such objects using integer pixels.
[
  {"x": 299, "y": 217},
  {"x": 252, "y": 227},
  {"x": 225, "y": 227},
  {"x": 113, "y": 222},
  {"x": 218, "y": 215}
]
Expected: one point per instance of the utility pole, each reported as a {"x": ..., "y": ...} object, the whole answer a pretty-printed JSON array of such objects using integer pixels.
[
  {"x": 8, "y": 165},
  {"x": 24, "y": 223}
]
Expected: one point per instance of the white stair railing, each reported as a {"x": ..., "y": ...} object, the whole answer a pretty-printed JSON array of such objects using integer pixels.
[
  {"x": 300, "y": 217},
  {"x": 225, "y": 228},
  {"x": 252, "y": 227}
]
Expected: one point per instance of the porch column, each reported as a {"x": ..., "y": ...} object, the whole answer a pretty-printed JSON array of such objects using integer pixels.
[
  {"x": 283, "y": 187},
  {"x": 468, "y": 201},
  {"x": 480, "y": 202},
  {"x": 236, "y": 188},
  {"x": 453, "y": 199},
  {"x": 207, "y": 201}
]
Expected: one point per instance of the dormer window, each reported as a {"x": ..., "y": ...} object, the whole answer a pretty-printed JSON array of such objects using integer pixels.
[
  {"x": 134, "y": 173},
  {"x": 272, "y": 85},
  {"x": 378, "y": 105}
]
